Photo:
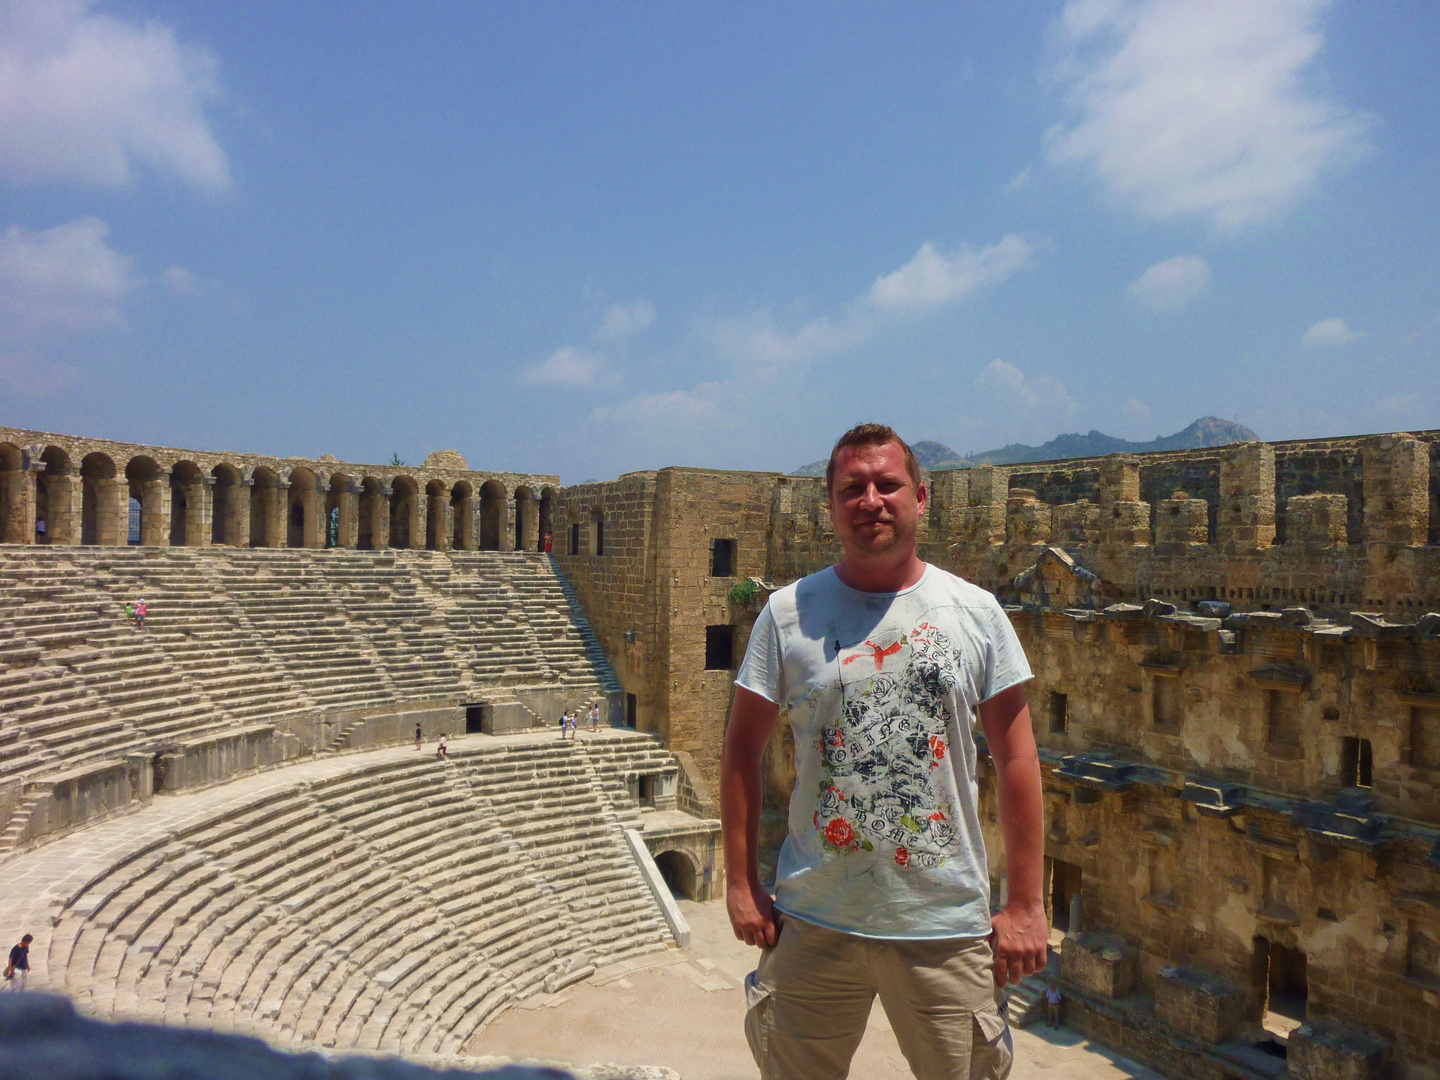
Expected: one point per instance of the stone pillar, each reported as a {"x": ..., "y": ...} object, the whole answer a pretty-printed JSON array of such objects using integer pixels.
[
  {"x": 1247, "y": 498},
  {"x": 984, "y": 523},
  {"x": 112, "y": 512},
  {"x": 155, "y": 510},
  {"x": 62, "y": 520},
  {"x": 1077, "y": 523},
  {"x": 238, "y": 527},
  {"x": 1181, "y": 521},
  {"x": 1316, "y": 519},
  {"x": 949, "y": 496},
  {"x": 420, "y": 521},
  {"x": 1124, "y": 519},
  {"x": 199, "y": 511},
  {"x": 1027, "y": 519},
  {"x": 278, "y": 522},
  {"x": 1395, "y": 473},
  {"x": 380, "y": 528},
  {"x": 19, "y": 526},
  {"x": 349, "y": 502}
]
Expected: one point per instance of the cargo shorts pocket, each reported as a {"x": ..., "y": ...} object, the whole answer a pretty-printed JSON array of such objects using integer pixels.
[
  {"x": 992, "y": 1051},
  {"x": 759, "y": 1009}
]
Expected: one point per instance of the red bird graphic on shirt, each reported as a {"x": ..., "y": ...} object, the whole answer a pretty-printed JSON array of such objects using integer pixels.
[{"x": 877, "y": 653}]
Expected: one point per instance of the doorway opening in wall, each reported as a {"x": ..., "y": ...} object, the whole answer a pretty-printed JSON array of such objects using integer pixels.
[
  {"x": 719, "y": 647},
  {"x": 645, "y": 790},
  {"x": 575, "y": 539},
  {"x": 1058, "y": 707},
  {"x": 132, "y": 533},
  {"x": 475, "y": 719},
  {"x": 1064, "y": 887},
  {"x": 632, "y": 707},
  {"x": 722, "y": 558},
  {"x": 1356, "y": 762},
  {"x": 1280, "y": 977},
  {"x": 679, "y": 874}
]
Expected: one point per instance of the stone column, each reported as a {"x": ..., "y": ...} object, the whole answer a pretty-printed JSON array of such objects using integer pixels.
[
  {"x": 1247, "y": 498},
  {"x": 1395, "y": 474},
  {"x": 349, "y": 503},
  {"x": 984, "y": 521},
  {"x": 155, "y": 510},
  {"x": 380, "y": 529},
  {"x": 447, "y": 523},
  {"x": 278, "y": 523},
  {"x": 62, "y": 519},
  {"x": 112, "y": 512},
  {"x": 420, "y": 521},
  {"x": 19, "y": 527},
  {"x": 317, "y": 520},
  {"x": 238, "y": 527},
  {"x": 199, "y": 511},
  {"x": 1124, "y": 519}
]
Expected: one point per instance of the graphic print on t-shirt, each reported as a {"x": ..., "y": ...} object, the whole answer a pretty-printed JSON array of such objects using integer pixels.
[{"x": 880, "y": 758}]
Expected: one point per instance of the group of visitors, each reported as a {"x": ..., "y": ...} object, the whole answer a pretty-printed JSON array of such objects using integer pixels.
[
  {"x": 442, "y": 748},
  {"x": 135, "y": 611},
  {"x": 570, "y": 719}
]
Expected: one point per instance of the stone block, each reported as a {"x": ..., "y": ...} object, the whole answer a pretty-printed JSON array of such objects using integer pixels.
[
  {"x": 1182, "y": 520},
  {"x": 1125, "y": 524},
  {"x": 1119, "y": 479},
  {"x": 1099, "y": 963},
  {"x": 1316, "y": 519},
  {"x": 1201, "y": 1004},
  {"x": 1327, "y": 1050}
]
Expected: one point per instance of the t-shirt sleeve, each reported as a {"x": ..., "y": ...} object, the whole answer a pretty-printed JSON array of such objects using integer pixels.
[
  {"x": 761, "y": 670},
  {"x": 1005, "y": 662}
]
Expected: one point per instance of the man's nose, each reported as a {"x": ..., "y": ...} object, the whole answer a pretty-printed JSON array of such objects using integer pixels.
[{"x": 871, "y": 497}]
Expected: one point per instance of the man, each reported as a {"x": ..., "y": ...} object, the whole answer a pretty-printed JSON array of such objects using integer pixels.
[
  {"x": 18, "y": 969},
  {"x": 882, "y": 884}
]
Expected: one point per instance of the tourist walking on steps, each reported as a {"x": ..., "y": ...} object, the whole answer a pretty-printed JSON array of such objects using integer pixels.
[
  {"x": 547, "y": 543},
  {"x": 595, "y": 717},
  {"x": 417, "y": 737},
  {"x": 1052, "y": 1005},
  {"x": 18, "y": 968},
  {"x": 442, "y": 751},
  {"x": 130, "y": 611},
  {"x": 882, "y": 885},
  {"x": 140, "y": 614},
  {"x": 564, "y": 720}
]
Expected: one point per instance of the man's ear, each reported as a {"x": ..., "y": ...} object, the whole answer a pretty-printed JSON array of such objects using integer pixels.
[{"x": 922, "y": 497}]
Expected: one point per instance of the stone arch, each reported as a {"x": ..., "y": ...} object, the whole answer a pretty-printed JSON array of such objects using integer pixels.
[
  {"x": 374, "y": 515},
  {"x": 145, "y": 481},
  {"x": 187, "y": 489},
  {"x": 681, "y": 872},
  {"x": 100, "y": 507},
  {"x": 524, "y": 519},
  {"x": 492, "y": 515},
  {"x": 228, "y": 520},
  {"x": 264, "y": 528},
  {"x": 547, "y": 517},
  {"x": 54, "y": 498},
  {"x": 462, "y": 507},
  {"x": 436, "y": 536},
  {"x": 302, "y": 510},
  {"x": 404, "y": 512},
  {"x": 12, "y": 495}
]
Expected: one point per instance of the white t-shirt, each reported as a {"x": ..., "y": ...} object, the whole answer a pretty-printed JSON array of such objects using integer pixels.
[{"x": 881, "y": 691}]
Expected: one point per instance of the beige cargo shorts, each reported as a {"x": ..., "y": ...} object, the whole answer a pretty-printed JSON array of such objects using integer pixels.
[{"x": 808, "y": 1002}]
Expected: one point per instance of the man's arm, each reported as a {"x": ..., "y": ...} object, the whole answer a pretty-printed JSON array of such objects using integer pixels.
[
  {"x": 1020, "y": 931},
  {"x": 752, "y": 913}
]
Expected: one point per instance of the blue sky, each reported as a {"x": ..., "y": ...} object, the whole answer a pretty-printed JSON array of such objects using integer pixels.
[{"x": 591, "y": 238}]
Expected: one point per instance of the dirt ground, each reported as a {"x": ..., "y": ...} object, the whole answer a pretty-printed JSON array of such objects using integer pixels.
[{"x": 686, "y": 1011}]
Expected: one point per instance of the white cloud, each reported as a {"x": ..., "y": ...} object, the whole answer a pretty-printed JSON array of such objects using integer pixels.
[
  {"x": 1171, "y": 284},
  {"x": 1138, "y": 413},
  {"x": 179, "y": 281},
  {"x": 1188, "y": 108},
  {"x": 26, "y": 374},
  {"x": 65, "y": 279},
  {"x": 623, "y": 321},
  {"x": 671, "y": 409},
  {"x": 90, "y": 98},
  {"x": 569, "y": 366},
  {"x": 1008, "y": 387},
  {"x": 932, "y": 278},
  {"x": 1328, "y": 332}
]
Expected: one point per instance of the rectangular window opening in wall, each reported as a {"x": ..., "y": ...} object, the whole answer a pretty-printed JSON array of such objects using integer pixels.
[
  {"x": 575, "y": 539},
  {"x": 632, "y": 709},
  {"x": 1058, "y": 707},
  {"x": 1356, "y": 762},
  {"x": 1282, "y": 717},
  {"x": 599, "y": 536},
  {"x": 722, "y": 558},
  {"x": 1165, "y": 698},
  {"x": 719, "y": 647},
  {"x": 1425, "y": 738}
]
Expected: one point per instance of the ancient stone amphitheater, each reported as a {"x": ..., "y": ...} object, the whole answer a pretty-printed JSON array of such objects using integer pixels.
[{"x": 221, "y": 819}]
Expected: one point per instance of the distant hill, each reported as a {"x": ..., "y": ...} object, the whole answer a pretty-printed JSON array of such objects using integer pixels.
[{"x": 1207, "y": 431}]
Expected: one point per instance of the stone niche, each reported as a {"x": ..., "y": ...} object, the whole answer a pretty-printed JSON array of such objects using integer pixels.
[
  {"x": 1102, "y": 964},
  {"x": 1198, "y": 1003},
  {"x": 1326, "y": 1050}
]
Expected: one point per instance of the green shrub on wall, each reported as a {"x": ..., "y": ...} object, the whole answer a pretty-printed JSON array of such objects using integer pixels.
[{"x": 743, "y": 592}]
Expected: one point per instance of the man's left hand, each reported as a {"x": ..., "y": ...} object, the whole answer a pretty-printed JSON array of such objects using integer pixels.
[{"x": 1020, "y": 937}]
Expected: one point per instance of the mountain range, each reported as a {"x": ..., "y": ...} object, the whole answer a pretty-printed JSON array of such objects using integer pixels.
[{"x": 1207, "y": 431}]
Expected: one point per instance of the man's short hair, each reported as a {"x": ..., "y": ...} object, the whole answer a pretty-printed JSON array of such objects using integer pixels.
[{"x": 872, "y": 435}]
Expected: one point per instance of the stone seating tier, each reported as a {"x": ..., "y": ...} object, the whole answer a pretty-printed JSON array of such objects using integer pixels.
[
  {"x": 395, "y": 906},
  {"x": 237, "y": 637}
]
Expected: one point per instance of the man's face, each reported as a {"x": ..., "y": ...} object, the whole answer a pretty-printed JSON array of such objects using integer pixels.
[{"x": 874, "y": 505}]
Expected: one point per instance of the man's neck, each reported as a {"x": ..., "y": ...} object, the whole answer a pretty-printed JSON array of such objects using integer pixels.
[{"x": 887, "y": 577}]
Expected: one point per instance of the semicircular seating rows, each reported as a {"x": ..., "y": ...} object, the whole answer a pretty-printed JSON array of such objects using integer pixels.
[
  {"x": 397, "y": 905},
  {"x": 240, "y": 637}
]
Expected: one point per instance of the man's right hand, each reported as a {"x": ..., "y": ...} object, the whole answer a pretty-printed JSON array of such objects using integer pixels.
[{"x": 752, "y": 914}]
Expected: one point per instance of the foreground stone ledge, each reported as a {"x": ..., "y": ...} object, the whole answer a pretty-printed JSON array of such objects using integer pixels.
[{"x": 41, "y": 1036}]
